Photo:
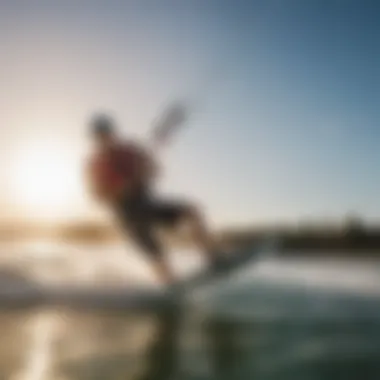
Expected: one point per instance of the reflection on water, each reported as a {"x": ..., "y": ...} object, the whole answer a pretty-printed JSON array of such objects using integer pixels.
[
  {"x": 272, "y": 322},
  {"x": 68, "y": 345},
  {"x": 65, "y": 344}
]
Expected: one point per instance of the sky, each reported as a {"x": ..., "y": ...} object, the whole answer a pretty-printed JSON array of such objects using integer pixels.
[{"x": 285, "y": 125}]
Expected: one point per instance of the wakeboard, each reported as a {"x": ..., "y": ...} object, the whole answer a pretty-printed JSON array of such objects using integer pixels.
[{"x": 226, "y": 265}]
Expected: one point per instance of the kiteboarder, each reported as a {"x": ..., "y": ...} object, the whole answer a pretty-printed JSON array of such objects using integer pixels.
[{"x": 122, "y": 174}]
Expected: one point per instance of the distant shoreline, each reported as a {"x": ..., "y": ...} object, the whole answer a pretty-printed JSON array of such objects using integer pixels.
[{"x": 352, "y": 238}]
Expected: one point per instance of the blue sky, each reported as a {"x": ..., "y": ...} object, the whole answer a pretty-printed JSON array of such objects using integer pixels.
[{"x": 288, "y": 93}]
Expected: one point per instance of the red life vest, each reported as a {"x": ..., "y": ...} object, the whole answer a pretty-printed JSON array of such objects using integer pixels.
[{"x": 110, "y": 169}]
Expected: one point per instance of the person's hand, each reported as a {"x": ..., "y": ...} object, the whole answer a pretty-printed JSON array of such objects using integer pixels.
[{"x": 150, "y": 169}]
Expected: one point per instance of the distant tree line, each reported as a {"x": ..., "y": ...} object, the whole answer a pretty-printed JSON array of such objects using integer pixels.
[{"x": 352, "y": 235}]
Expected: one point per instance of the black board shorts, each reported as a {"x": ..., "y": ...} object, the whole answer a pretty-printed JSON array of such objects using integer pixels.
[{"x": 141, "y": 214}]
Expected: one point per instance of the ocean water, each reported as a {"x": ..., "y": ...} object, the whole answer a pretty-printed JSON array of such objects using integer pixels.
[{"x": 275, "y": 319}]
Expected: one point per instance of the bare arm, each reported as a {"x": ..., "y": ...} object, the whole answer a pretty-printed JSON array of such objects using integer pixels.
[
  {"x": 171, "y": 120},
  {"x": 148, "y": 169}
]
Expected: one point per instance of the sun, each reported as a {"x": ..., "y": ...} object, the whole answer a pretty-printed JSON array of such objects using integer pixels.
[{"x": 44, "y": 178}]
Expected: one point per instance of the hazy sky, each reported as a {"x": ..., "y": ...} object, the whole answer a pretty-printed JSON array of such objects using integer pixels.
[{"x": 289, "y": 93}]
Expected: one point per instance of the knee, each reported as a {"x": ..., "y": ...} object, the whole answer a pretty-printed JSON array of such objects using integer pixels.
[
  {"x": 194, "y": 212},
  {"x": 145, "y": 239}
]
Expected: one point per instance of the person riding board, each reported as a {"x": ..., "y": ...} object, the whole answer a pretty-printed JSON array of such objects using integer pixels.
[{"x": 122, "y": 174}]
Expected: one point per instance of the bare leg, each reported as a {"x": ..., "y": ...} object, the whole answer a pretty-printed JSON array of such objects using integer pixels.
[
  {"x": 144, "y": 238},
  {"x": 163, "y": 271},
  {"x": 201, "y": 235}
]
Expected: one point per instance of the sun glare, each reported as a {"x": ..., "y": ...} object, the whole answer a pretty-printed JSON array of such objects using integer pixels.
[{"x": 44, "y": 179}]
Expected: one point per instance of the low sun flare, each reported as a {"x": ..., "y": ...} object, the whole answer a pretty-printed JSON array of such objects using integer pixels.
[{"x": 44, "y": 179}]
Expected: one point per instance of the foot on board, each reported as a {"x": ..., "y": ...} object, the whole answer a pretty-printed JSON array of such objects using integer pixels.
[{"x": 220, "y": 263}]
